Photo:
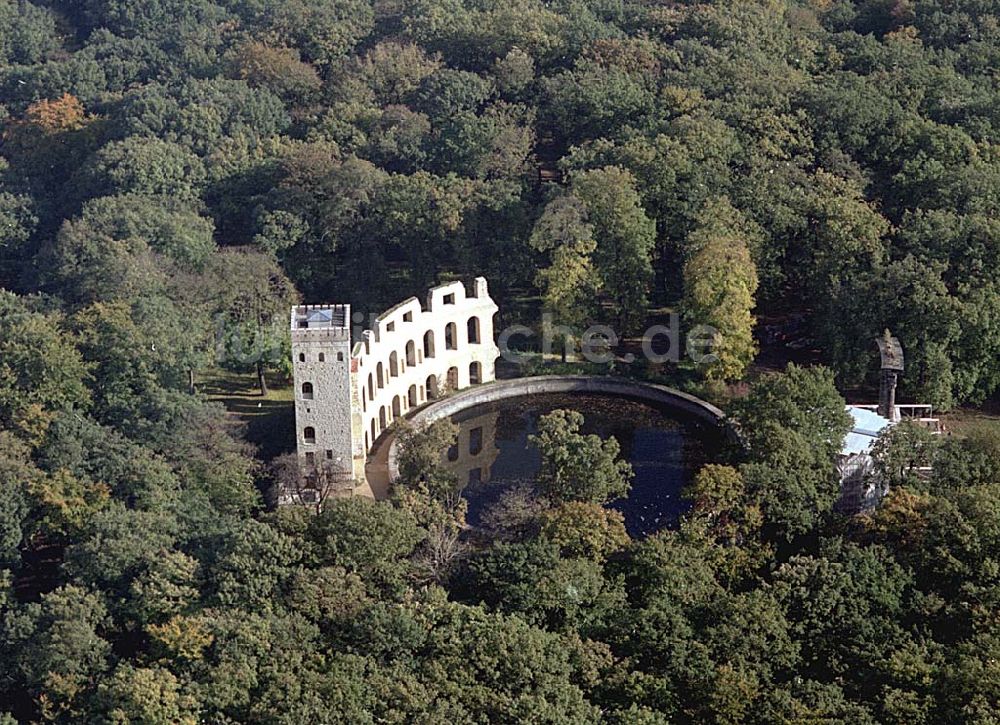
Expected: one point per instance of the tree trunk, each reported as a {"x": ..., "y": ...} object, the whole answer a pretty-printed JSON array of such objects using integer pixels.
[
  {"x": 261, "y": 382},
  {"x": 191, "y": 388}
]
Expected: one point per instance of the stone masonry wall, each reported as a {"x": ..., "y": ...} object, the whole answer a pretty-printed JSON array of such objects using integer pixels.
[
  {"x": 413, "y": 353},
  {"x": 421, "y": 352},
  {"x": 327, "y": 410}
]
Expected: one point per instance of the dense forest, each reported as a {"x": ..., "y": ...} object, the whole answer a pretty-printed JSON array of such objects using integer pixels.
[{"x": 175, "y": 173}]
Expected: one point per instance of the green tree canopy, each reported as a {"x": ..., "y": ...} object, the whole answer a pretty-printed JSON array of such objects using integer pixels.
[
  {"x": 720, "y": 281},
  {"x": 578, "y": 467},
  {"x": 625, "y": 238}
]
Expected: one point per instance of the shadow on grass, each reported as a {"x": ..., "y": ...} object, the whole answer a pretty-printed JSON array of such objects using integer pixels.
[
  {"x": 970, "y": 421},
  {"x": 269, "y": 420}
]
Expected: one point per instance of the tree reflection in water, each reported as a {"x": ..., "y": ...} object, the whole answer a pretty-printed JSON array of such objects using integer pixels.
[{"x": 492, "y": 453}]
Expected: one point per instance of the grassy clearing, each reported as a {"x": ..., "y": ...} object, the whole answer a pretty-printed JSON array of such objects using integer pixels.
[
  {"x": 966, "y": 421},
  {"x": 270, "y": 419}
]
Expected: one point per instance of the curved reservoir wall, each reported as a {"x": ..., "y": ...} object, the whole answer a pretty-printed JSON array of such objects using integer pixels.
[{"x": 662, "y": 395}]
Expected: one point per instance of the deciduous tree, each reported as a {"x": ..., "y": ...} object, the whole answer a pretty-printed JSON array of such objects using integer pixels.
[
  {"x": 625, "y": 238},
  {"x": 578, "y": 467},
  {"x": 720, "y": 281}
]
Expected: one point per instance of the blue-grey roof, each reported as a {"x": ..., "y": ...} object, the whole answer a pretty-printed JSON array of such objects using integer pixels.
[
  {"x": 320, "y": 316},
  {"x": 867, "y": 427}
]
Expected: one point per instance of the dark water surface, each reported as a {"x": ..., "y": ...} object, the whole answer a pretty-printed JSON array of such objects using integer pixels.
[{"x": 664, "y": 447}]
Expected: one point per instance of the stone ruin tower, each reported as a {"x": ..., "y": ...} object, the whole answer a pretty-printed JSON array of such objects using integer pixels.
[
  {"x": 324, "y": 411},
  {"x": 348, "y": 392},
  {"x": 891, "y": 353}
]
